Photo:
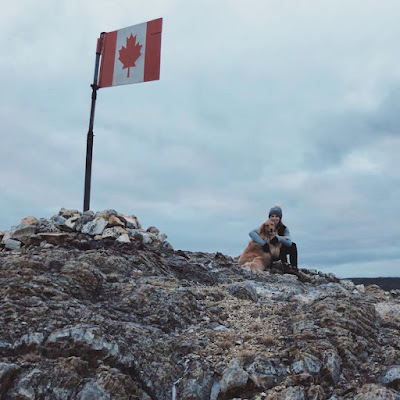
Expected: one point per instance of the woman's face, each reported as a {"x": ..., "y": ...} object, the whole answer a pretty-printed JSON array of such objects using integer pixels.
[{"x": 275, "y": 218}]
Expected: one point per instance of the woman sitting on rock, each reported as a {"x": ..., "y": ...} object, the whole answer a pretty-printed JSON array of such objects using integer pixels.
[{"x": 288, "y": 247}]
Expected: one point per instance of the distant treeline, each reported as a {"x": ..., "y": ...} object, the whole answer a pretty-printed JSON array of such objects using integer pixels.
[{"x": 384, "y": 283}]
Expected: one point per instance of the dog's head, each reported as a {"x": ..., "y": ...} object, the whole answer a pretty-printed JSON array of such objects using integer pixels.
[{"x": 268, "y": 229}]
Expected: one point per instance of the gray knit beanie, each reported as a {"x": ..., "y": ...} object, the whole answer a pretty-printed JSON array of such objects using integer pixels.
[{"x": 275, "y": 210}]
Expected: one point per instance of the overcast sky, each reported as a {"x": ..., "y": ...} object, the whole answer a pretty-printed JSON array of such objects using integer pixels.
[{"x": 259, "y": 102}]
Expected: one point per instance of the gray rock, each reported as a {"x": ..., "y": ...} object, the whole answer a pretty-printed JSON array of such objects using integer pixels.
[
  {"x": 197, "y": 384},
  {"x": 391, "y": 377},
  {"x": 124, "y": 238},
  {"x": 106, "y": 214},
  {"x": 67, "y": 214},
  {"x": 331, "y": 366},
  {"x": 72, "y": 221},
  {"x": 95, "y": 227},
  {"x": 131, "y": 221},
  {"x": 12, "y": 244},
  {"x": 153, "y": 229},
  {"x": 59, "y": 221},
  {"x": 307, "y": 363},
  {"x": 243, "y": 291},
  {"x": 234, "y": 377},
  {"x": 86, "y": 217},
  {"x": 114, "y": 232},
  {"x": 7, "y": 370},
  {"x": 266, "y": 373},
  {"x": 86, "y": 338},
  {"x": 23, "y": 233},
  {"x": 29, "y": 221},
  {"x": 31, "y": 340},
  {"x": 347, "y": 284},
  {"x": 88, "y": 213},
  {"x": 7, "y": 235},
  {"x": 91, "y": 391},
  {"x": 25, "y": 389}
]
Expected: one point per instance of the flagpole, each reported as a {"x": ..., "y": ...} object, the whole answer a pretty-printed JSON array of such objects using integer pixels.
[{"x": 89, "y": 145}]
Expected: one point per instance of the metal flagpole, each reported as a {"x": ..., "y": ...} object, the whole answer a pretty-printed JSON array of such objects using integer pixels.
[{"x": 89, "y": 146}]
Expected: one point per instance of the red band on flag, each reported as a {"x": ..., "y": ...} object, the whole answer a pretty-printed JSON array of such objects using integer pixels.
[
  {"x": 153, "y": 50},
  {"x": 107, "y": 60}
]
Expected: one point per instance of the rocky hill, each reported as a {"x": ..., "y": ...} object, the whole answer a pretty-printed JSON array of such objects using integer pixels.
[{"x": 94, "y": 307}]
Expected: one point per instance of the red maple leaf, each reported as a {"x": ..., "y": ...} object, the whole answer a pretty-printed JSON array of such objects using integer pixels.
[{"x": 128, "y": 55}]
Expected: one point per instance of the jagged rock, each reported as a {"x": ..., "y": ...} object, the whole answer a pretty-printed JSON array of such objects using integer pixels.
[
  {"x": 360, "y": 288},
  {"x": 234, "y": 377},
  {"x": 46, "y": 226},
  {"x": 375, "y": 290},
  {"x": 347, "y": 284},
  {"x": 246, "y": 291},
  {"x": 68, "y": 213},
  {"x": 29, "y": 221},
  {"x": 198, "y": 383},
  {"x": 6, "y": 373},
  {"x": 114, "y": 221},
  {"x": 84, "y": 219},
  {"x": 391, "y": 377},
  {"x": 331, "y": 366},
  {"x": 59, "y": 221},
  {"x": 23, "y": 233},
  {"x": 12, "y": 244},
  {"x": 114, "y": 232},
  {"x": 95, "y": 227},
  {"x": 71, "y": 222},
  {"x": 91, "y": 391},
  {"x": 167, "y": 245},
  {"x": 106, "y": 214},
  {"x": 266, "y": 373},
  {"x": 153, "y": 229},
  {"x": 123, "y": 238},
  {"x": 130, "y": 221},
  {"x": 6, "y": 236},
  {"x": 307, "y": 363}
]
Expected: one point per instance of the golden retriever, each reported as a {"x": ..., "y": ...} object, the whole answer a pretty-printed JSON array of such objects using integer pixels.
[{"x": 254, "y": 257}]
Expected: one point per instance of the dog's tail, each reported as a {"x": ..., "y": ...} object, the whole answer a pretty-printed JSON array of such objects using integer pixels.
[{"x": 257, "y": 264}]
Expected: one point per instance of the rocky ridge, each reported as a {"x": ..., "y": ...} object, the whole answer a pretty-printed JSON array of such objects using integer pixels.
[{"x": 95, "y": 307}]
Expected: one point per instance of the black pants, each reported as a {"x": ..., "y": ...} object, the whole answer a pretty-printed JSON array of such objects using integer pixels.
[{"x": 292, "y": 251}]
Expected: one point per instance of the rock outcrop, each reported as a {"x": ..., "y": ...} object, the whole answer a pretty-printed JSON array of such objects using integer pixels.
[{"x": 95, "y": 307}]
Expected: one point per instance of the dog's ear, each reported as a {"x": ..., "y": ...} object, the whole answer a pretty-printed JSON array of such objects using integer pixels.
[{"x": 263, "y": 229}]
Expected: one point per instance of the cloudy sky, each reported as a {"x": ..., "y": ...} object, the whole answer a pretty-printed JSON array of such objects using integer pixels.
[{"x": 259, "y": 102}]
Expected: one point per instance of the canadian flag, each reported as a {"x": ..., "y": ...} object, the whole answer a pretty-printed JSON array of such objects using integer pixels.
[{"x": 131, "y": 55}]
